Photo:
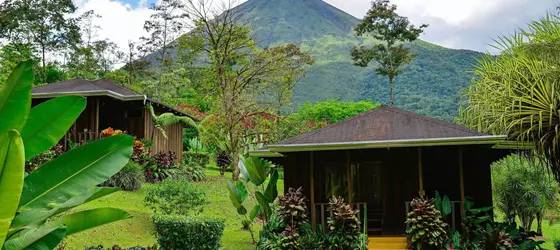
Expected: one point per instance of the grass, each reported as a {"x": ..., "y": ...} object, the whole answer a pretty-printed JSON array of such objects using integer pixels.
[{"x": 139, "y": 230}]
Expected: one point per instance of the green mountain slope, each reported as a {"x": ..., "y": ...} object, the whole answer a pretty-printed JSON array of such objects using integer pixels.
[{"x": 431, "y": 85}]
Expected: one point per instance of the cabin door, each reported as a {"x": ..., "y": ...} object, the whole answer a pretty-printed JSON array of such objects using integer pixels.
[{"x": 368, "y": 187}]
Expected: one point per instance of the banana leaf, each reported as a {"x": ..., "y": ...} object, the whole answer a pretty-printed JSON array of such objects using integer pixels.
[
  {"x": 48, "y": 122},
  {"x": 12, "y": 166},
  {"x": 75, "y": 171},
  {"x": 48, "y": 236},
  {"x": 39, "y": 216},
  {"x": 84, "y": 220},
  {"x": 15, "y": 98}
]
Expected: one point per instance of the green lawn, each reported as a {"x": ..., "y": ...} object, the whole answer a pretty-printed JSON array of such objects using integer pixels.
[{"x": 139, "y": 230}]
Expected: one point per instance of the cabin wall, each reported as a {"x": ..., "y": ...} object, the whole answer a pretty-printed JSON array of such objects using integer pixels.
[
  {"x": 441, "y": 171},
  {"x": 173, "y": 142}
]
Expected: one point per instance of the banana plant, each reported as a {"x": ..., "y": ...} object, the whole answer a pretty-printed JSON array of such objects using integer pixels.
[
  {"x": 255, "y": 171},
  {"x": 32, "y": 206}
]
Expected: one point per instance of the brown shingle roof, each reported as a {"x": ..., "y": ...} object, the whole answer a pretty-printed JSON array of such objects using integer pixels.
[
  {"x": 384, "y": 123},
  {"x": 78, "y": 85}
]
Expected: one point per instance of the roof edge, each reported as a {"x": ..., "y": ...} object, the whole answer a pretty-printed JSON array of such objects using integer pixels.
[
  {"x": 470, "y": 140},
  {"x": 91, "y": 93}
]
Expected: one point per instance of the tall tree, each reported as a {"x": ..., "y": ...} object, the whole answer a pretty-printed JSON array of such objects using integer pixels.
[
  {"x": 384, "y": 24},
  {"x": 44, "y": 23},
  {"x": 135, "y": 64},
  {"x": 164, "y": 26},
  {"x": 238, "y": 73},
  {"x": 92, "y": 58}
]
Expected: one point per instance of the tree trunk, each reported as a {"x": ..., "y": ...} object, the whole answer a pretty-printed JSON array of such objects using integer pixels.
[
  {"x": 44, "y": 65},
  {"x": 391, "y": 91},
  {"x": 539, "y": 223},
  {"x": 235, "y": 164}
]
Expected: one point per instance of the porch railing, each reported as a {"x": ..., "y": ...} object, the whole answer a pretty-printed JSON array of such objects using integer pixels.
[
  {"x": 451, "y": 219},
  {"x": 324, "y": 212},
  {"x": 79, "y": 137}
]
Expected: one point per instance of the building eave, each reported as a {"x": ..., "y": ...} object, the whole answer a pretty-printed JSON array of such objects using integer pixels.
[
  {"x": 90, "y": 93},
  {"x": 265, "y": 153},
  {"x": 471, "y": 140}
]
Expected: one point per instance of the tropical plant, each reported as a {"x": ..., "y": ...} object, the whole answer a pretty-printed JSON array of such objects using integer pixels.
[
  {"x": 256, "y": 171},
  {"x": 344, "y": 226},
  {"x": 479, "y": 231},
  {"x": 517, "y": 94},
  {"x": 161, "y": 166},
  {"x": 175, "y": 197},
  {"x": 523, "y": 188},
  {"x": 424, "y": 225},
  {"x": 31, "y": 212}
]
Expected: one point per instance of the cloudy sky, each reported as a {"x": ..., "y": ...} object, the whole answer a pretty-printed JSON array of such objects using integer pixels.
[{"x": 462, "y": 24}]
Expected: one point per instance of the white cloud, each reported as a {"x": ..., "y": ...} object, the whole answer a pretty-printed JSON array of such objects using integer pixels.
[
  {"x": 470, "y": 24},
  {"x": 120, "y": 22}
]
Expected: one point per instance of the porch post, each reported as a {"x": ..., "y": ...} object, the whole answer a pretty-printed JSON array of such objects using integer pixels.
[
  {"x": 461, "y": 182},
  {"x": 312, "y": 191},
  {"x": 350, "y": 179},
  {"x": 96, "y": 116},
  {"x": 421, "y": 191}
]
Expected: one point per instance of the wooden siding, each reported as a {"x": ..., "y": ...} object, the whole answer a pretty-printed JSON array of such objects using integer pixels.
[{"x": 174, "y": 141}]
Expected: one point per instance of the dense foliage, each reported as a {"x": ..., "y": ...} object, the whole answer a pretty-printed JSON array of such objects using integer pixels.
[
  {"x": 332, "y": 111},
  {"x": 523, "y": 189},
  {"x": 516, "y": 94},
  {"x": 175, "y": 197},
  {"x": 192, "y": 233},
  {"x": 35, "y": 208}
]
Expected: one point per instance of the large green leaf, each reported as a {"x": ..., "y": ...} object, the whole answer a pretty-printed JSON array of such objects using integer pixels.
[
  {"x": 50, "y": 241},
  {"x": 48, "y": 122},
  {"x": 256, "y": 169},
  {"x": 271, "y": 191},
  {"x": 12, "y": 166},
  {"x": 45, "y": 237},
  {"x": 40, "y": 215},
  {"x": 75, "y": 171},
  {"x": 88, "y": 219},
  {"x": 255, "y": 212},
  {"x": 264, "y": 204},
  {"x": 15, "y": 98},
  {"x": 237, "y": 195},
  {"x": 446, "y": 206}
]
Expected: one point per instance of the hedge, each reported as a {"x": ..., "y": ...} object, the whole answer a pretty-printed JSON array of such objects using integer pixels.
[{"x": 192, "y": 233}]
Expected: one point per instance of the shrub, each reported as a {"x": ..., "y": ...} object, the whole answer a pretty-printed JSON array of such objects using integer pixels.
[
  {"x": 223, "y": 161},
  {"x": 177, "y": 232},
  {"x": 557, "y": 244},
  {"x": 175, "y": 197},
  {"x": 161, "y": 167},
  {"x": 200, "y": 158},
  {"x": 424, "y": 225},
  {"x": 130, "y": 178},
  {"x": 344, "y": 226}
]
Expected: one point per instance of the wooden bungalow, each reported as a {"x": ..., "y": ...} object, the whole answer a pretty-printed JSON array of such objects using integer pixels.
[
  {"x": 112, "y": 105},
  {"x": 384, "y": 158}
]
